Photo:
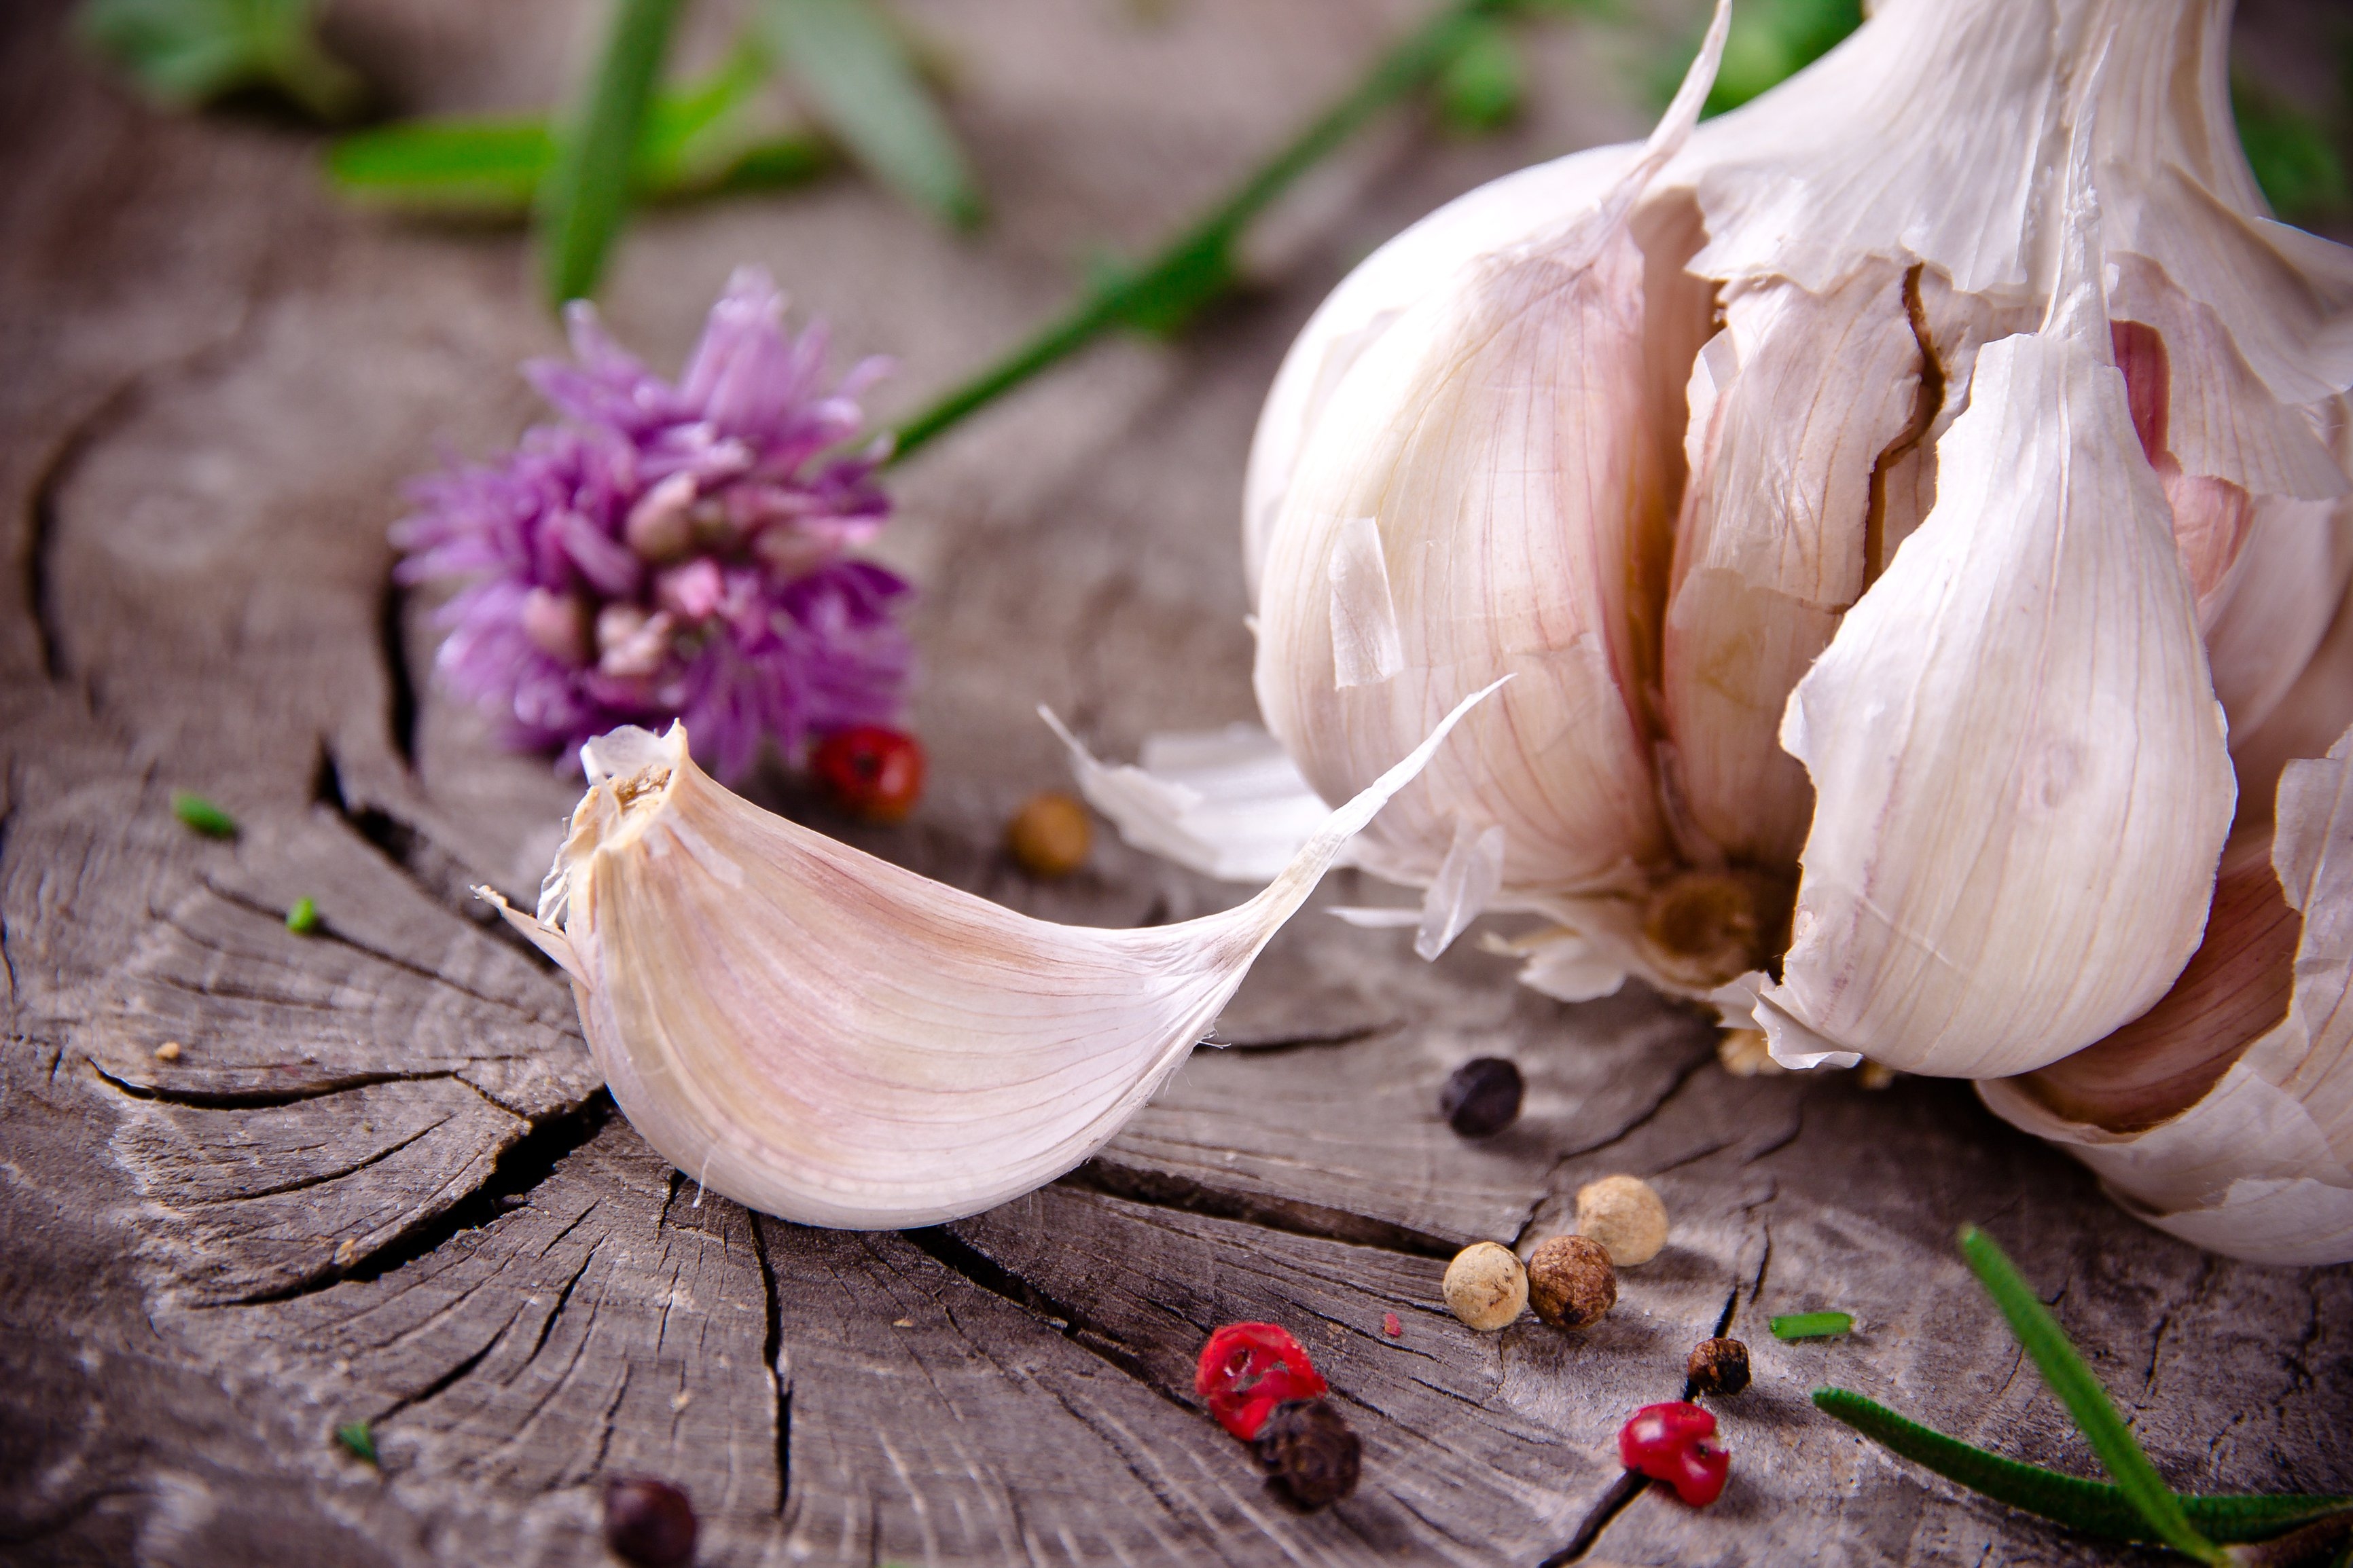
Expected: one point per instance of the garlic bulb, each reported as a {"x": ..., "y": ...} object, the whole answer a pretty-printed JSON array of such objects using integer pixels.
[
  {"x": 825, "y": 1037},
  {"x": 1916, "y": 506}
]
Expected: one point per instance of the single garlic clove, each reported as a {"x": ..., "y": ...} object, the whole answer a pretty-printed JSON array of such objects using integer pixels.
[
  {"x": 825, "y": 1037},
  {"x": 2236, "y": 986},
  {"x": 2019, "y": 759},
  {"x": 2261, "y": 1167},
  {"x": 1477, "y": 497}
]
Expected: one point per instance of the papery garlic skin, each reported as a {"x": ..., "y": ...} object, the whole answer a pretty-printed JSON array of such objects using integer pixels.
[
  {"x": 2260, "y": 1166},
  {"x": 825, "y": 1037},
  {"x": 1453, "y": 517}
]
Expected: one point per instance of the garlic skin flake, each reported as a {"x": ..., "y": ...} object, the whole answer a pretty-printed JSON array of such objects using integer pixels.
[{"x": 825, "y": 1037}]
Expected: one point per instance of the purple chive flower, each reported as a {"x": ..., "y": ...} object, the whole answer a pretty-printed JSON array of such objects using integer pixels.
[{"x": 671, "y": 551}]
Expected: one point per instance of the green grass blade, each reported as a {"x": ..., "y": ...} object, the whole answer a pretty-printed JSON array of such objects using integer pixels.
[
  {"x": 2095, "y": 1507},
  {"x": 1813, "y": 1325},
  {"x": 586, "y": 193},
  {"x": 495, "y": 166},
  {"x": 857, "y": 79},
  {"x": 1483, "y": 87},
  {"x": 692, "y": 134},
  {"x": 2085, "y": 1400}
]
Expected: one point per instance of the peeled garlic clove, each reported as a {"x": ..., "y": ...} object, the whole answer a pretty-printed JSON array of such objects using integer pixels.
[
  {"x": 2019, "y": 763},
  {"x": 2261, "y": 1166},
  {"x": 825, "y": 1037},
  {"x": 1476, "y": 498}
]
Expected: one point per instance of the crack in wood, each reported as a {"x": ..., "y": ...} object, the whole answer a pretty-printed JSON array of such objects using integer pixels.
[
  {"x": 440, "y": 876},
  {"x": 772, "y": 1351},
  {"x": 1164, "y": 1189},
  {"x": 267, "y": 1098},
  {"x": 1608, "y": 1507}
]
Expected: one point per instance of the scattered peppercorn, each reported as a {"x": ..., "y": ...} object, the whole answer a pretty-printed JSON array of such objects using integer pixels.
[
  {"x": 1485, "y": 1286},
  {"x": 303, "y": 918},
  {"x": 1306, "y": 1446},
  {"x": 1813, "y": 1325},
  {"x": 202, "y": 815},
  {"x": 1392, "y": 1326},
  {"x": 1745, "y": 1054},
  {"x": 355, "y": 1436},
  {"x": 649, "y": 1523},
  {"x": 169, "y": 1051},
  {"x": 1626, "y": 1215},
  {"x": 1248, "y": 1369},
  {"x": 1482, "y": 1097},
  {"x": 1719, "y": 1367},
  {"x": 874, "y": 773},
  {"x": 1049, "y": 835},
  {"x": 1676, "y": 1443},
  {"x": 1570, "y": 1281}
]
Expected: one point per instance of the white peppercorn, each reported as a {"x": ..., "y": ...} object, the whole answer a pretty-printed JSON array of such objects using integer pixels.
[
  {"x": 1625, "y": 1216},
  {"x": 1485, "y": 1286}
]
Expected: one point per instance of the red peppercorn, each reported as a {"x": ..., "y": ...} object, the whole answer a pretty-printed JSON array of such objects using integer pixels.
[
  {"x": 1248, "y": 1369},
  {"x": 1676, "y": 1443},
  {"x": 649, "y": 1523},
  {"x": 874, "y": 772}
]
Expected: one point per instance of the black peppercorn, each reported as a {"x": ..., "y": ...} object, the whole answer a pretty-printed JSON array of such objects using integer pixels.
[
  {"x": 1306, "y": 1446},
  {"x": 649, "y": 1523},
  {"x": 1482, "y": 1098},
  {"x": 1719, "y": 1367}
]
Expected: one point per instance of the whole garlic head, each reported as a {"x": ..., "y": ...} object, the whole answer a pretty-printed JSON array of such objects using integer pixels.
[{"x": 2016, "y": 566}]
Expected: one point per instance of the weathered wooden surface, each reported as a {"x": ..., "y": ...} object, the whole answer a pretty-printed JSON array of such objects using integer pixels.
[{"x": 379, "y": 1182}]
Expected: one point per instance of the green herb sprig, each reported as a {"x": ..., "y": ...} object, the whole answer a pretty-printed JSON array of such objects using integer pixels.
[{"x": 2138, "y": 1506}]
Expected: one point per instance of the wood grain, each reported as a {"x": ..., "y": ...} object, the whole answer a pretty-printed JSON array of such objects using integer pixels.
[{"x": 379, "y": 1182}]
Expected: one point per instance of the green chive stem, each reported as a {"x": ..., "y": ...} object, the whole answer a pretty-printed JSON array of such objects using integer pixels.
[
  {"x": 1813, "y": 1325},
  {"x": 2085, "y": 1400},
  {"x": 2096, "y": 1508},
  {"x": 586, "y": 193},
  {"x": 303, "y": 918},
  {"x": 1195, "y": 266}
]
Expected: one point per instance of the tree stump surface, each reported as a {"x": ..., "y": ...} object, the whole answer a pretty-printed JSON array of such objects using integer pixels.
[{"x": 380, "y": 1182}]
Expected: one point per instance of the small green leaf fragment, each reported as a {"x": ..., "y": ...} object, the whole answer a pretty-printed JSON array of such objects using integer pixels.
[
  {"x": 586, "y": 195},
  {"x": 203, "y": 816},
  {"x": 853, "y": 72},
  {"x": 2081, "y": 1393},
  {"x": 355, "y": 1436},
  {"x": 1813, "y": 1325},
  {"x": 303, "y": 918},
  {"x": 1481, "y": 89}
]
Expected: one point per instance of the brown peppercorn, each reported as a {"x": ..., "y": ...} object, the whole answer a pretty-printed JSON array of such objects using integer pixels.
[
  {"x": 1571, "y": 1282},
  {"x": 1306, "y": 1446},
  {"x": 1719, "y": 1367},
  {"x": 649, "y": 1523},
  {"x": 1049, "y": 835}
]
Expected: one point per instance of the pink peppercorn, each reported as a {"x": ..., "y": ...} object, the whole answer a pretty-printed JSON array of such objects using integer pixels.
[{"x": 1676, "y": 1443}]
